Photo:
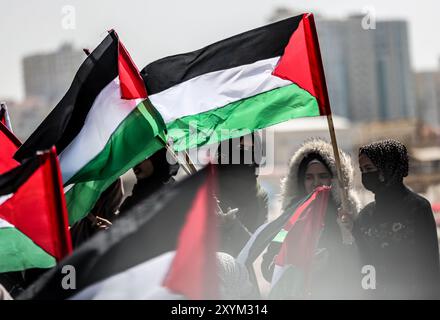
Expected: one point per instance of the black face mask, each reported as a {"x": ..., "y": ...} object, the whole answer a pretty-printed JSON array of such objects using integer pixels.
[{"x": 371, "y": 181}]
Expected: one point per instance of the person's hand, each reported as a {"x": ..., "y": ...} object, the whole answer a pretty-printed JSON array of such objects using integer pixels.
[
  {"x": 345, "y": 222},
  {"x": 345, "y": 218},
  {"x": 100, "y": 223},
  {"x": 229, "y": 217}
]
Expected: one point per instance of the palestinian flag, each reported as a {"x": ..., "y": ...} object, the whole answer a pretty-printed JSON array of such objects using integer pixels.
[
  {"x": 8, "y": 146},
  {"x": 298, "y": 229},
  {"x": 250, "y": 81},
  {"x": 163, "y": 249},
  {"x": 267, "y": 232},
  {"x": 299, "y": 238},
  {"x": 33, "y": 216},
  {"x": 101, "y": 127}
]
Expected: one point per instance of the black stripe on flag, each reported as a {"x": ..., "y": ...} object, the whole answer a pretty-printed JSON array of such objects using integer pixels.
[
  {"x": 66, "y": 120},
  {"x": 246, "y": 48},
  {"x": 149, "y": 229},
  {"x": 13, "y": 179}
]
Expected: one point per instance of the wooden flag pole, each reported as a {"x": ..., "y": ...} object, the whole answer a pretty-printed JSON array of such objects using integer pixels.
[
  {"x": 173, "y": 154},
  {"x": 191, "y": 165},
  {"x": 324, "y": 101},
  {"x": 342, "y": 188}
]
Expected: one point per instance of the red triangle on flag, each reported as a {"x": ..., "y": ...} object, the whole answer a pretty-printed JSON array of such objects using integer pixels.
[
  {"x": 38, "y": 208},
  {"x": 193, "y": 272},
  {"x": 132, "y": 85},
  {"x": 301, "y": 63}
]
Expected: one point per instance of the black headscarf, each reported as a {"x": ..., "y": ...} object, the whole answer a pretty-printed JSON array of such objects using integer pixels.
[
  {"x": 163, "y": 169},
  {"x": 390, "y": 157},
  {"x": 162, "y": 175},
  {"x": 228, "y": 150}
]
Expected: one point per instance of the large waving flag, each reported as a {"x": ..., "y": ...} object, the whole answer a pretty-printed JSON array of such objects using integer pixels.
[
  {"x": 250, "y": 81},
  {"x": 164, "y": 248},
  {"x": 33, "y": 216},
  {"x": 101, "y": 127}
]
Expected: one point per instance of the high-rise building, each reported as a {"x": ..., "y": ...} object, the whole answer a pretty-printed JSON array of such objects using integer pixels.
[
  {"x": 333, "y": 43},
  {"x": 349, "y": 59},
  {"x": 368, "y": 71},
  {"x": 48, "y": 76},
  {"x": 362, "y": 73},
  {"x": 395, "y": 83},
  {"x": 428, "y": 97}
]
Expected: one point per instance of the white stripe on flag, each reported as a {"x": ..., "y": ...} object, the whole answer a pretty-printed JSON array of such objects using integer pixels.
[
  {"x": 107, "y": 113},
  {"x": 244, "y": 253},
  {"x": 5, "y": 224},
  {"x": 141, "y": 282},
  {"x": 217, "y": 89},
  {"x": 6, "y": 197}
]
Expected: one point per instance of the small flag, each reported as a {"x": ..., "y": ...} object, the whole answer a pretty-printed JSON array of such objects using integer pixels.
[
  {"x": 33, "y": 217},
  {"x": 300, "y": 236}
]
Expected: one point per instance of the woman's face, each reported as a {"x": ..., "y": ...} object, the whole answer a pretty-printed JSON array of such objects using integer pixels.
[
  {"x": 144, "y": 169},
  {"x": 316, "y": 175},
  {"x": 366, "y": 165}
]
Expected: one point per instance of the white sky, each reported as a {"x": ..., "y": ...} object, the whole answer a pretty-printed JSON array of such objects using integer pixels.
[{"x": 151, "y": 29}]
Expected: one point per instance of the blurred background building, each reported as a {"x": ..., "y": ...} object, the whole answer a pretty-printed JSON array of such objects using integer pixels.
[{"x": 47, "y": 76}]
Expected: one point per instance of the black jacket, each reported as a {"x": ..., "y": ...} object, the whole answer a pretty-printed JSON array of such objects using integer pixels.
[{"x": 397, "y": 235}]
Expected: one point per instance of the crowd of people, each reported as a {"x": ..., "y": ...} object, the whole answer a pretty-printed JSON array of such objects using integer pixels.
[{"x": 395, "y": 234}]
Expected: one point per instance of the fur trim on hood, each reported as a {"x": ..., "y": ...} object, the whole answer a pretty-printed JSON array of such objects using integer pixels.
[{"x": 289, "y": 185}]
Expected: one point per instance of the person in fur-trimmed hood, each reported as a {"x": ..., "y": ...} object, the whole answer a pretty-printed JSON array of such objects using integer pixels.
[{"x": 336, "y": 269}]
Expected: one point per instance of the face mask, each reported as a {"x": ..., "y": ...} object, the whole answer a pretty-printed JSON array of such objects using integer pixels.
[{"x": 371, "y": 181}]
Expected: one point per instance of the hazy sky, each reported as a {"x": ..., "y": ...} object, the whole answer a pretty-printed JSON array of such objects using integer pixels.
[{"x": 151, "y": 29}]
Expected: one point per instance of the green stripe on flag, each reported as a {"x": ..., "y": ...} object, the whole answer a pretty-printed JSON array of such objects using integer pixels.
[
  {"x": 18, "y": 252},
  {"x": 143, "y": 110},
  {"x": 238, "y": 118},
  {"x": 280, "y": 236},
  {"x": 133, "y": 141}
]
